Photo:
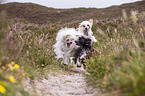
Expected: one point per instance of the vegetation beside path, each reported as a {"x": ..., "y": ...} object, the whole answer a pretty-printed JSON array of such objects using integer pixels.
[{"x": 26, "y": 53}]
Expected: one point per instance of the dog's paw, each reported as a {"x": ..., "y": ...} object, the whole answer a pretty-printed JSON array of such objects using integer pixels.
[
  {"x": 65, "y": 64},
  {"x": 94, "y": 40},
  {"x": 72, "y": 60},
  {"x": 78, "y": 65}
]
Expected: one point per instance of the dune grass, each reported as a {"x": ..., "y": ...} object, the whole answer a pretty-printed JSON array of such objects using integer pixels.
[
  {"x": 26, "y": 52},
  {"x": 119, "y": 64}
]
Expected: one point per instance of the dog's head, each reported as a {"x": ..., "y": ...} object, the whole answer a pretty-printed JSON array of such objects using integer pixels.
[
  {"x": 85, "y": 26},
  {"x": 69, "y": 41},
  {"x": 83, "y": 42}
]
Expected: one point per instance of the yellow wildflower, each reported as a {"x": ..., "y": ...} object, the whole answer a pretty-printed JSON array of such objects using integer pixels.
[
  {"x": 12, "y": 68},
  {"x": 9, "y": 65},
  {"x": 12, "y": 79},
  {"x": 2, "y": 89},
  {"x": 4, "y": 83},
  {"x": 23, "y": 74},
  {"x": 0, "y": 63},
  {"x": 3, "y": 67},
  {"x": 12, "y": 63},
  {"x": 16, "y": 66}
]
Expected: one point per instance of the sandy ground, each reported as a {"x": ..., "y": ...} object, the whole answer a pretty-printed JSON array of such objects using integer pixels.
[{"x": 61, "y": 84}]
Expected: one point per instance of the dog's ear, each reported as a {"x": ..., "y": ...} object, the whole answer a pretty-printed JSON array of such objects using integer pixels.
[
  {"x": 91, "y": 21},
  {"x": 80, "y": 25}
]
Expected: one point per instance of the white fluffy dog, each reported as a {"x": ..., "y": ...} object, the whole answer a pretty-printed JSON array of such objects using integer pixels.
[
  {"x": 85, "y": 29},
  {"x": 65, "y": 43},
  {"x": 66, "y": 37}
]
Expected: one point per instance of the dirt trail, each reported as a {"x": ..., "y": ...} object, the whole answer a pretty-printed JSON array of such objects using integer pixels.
[{"x": 62, "y": 84}]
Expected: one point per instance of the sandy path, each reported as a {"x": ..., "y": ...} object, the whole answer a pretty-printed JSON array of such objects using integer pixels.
[{"x": 62, "y": 84}]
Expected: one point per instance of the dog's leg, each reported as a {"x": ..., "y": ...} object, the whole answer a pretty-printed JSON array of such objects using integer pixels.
[
  {"x": 78, "y": 63},
  {"x": 93, "y": 39},
  {"x": 66, "y": 57},
  {"x": 65, "y": 61},
  {"x": 72, "y": 60},
  {"x": 82, "y": 67}
]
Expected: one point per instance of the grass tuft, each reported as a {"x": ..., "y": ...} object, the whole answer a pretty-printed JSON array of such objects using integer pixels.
[{"x": 120, "y": 62}]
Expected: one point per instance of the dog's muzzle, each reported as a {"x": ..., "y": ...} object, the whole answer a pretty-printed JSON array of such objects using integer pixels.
[
  {"x": 68, "y": 44},
  {"x": 86, "y": 32}
]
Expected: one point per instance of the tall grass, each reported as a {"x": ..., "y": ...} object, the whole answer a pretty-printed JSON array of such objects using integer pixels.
[
  {"x": 29, "y": 46},
  {"x": 119, "y": 64}
]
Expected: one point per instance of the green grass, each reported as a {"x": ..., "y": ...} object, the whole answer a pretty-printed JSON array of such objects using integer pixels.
[
  {"x": 119, "y": 64},
  {"x": 29, "y": 46},
  {"x": 119, "y": 60}
]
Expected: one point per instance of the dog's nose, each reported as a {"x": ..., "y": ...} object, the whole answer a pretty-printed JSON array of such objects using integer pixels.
[{"x": 86, "y": 28}]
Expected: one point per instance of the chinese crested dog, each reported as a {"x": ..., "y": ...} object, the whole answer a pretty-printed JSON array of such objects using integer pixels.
[
  {"x": 65, "y": 43},
  {"x": 83, "y": 51},
  {"x": 85, "y": 28},
  {"x": 79, "y": 41}
]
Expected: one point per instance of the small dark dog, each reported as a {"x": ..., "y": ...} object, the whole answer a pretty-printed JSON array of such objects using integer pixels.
[{"x": 83, "y": 51}]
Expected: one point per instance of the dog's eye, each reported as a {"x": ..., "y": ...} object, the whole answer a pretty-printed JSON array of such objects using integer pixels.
[
  {"x": 88, "y": 25},
  {"x": 67, "y": 40},
  {"x": 83, "y": 25}
]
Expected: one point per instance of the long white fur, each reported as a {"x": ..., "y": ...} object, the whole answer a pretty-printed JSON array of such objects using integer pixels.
[
  {"x": 81, "y": 29},
  {"x": 60, "y": 48}
]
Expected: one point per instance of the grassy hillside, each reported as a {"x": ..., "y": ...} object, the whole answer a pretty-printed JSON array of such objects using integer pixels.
[
  {"x": 28, "y": 31},
  {"x": 42, "y": 15},
  {"x": 119, "y": 63}
]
